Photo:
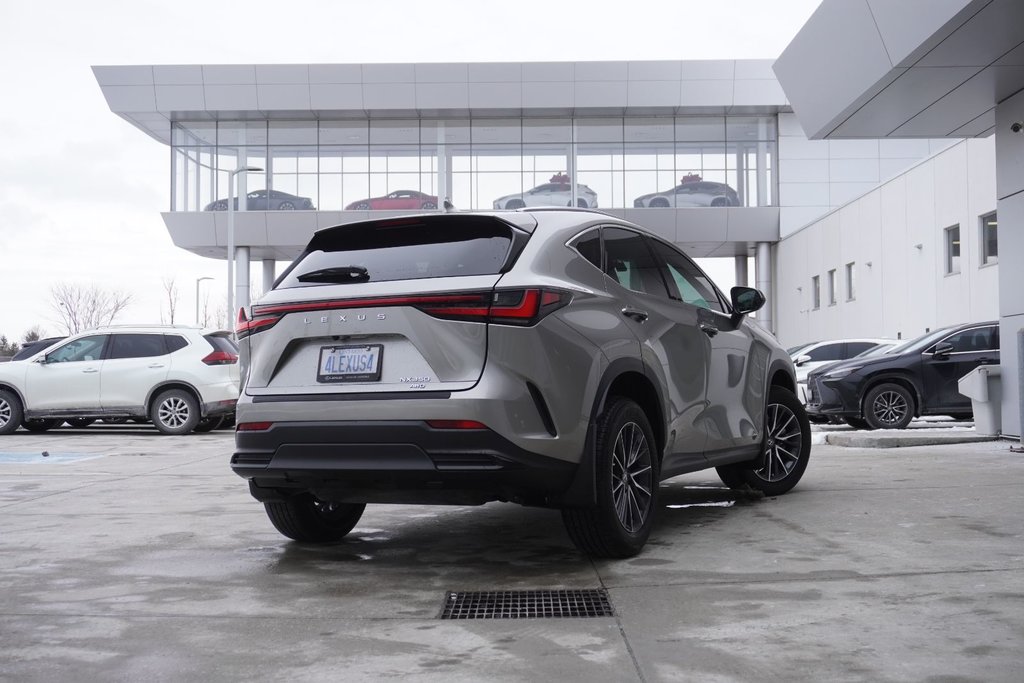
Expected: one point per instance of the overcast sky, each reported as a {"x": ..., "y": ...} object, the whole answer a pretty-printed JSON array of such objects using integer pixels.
[{"x": 81, "y": 190}]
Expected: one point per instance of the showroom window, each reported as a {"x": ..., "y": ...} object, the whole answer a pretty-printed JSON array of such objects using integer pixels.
[
  {"x": 952, "y": 250},
  {"x": 989, "y": 239},
  {"x": 815, "y": 292},
  {"x": 832, "y": 287},
  {"x": 851, "y": 281}
]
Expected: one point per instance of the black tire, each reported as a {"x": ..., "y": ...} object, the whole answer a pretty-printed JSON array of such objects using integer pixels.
[
  {"x": 175, "y": 412},
  {"x": 286, "y": 206},
  {"x": 719, "y": 201},
  {"x": 363, "y": 206},
  {"x": 80, "y": 422},
  {"x": 888, "y": 406},
  {"x": 40, "y": 425},
  {"x": 962, "y": 417},
  {"x": 11, "y": 411},
  {"x": 228, "y": 423},
  {"x": 428, "y": 205},
  {"x": 618, "y": 526},
  {"x": 857, "y": 423},
  {"x": 659, "y": 203},
  {"x": 582, "y": 203},
  {"x": 731, "y": 476},
  {"x": 140, "y": 420},
  {"x": 785, "y": 450},
  {"x": 115, "y": 420},
  {"x": 220, "y": 206},
  {"x": 304, "y": 518},
  {"x": 208, "y": 424},
  {"x": 515, "y": 204}
]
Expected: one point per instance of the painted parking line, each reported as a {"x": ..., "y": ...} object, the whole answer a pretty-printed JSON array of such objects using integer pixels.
[{"x": 24, "y": 458}]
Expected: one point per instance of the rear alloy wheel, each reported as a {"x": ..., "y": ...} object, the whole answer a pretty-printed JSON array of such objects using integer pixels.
[
  {"x": 308, "y": 519},
  {"x": 626, "y": 465},
  {"x": 40, "y": 425},
  {"x": 659, "y": 203},
  {"x": 857, "y": 423},
  {"x": 428, "y": 205},
  {"x": 80, "y": 422},
  {"x": 285, "y": 206},
  {"x": 175, "y": 412},
  {"x": 208, "y": 424},
  {"x": 785, "y": 450},
  {"x": 888, "y": 406},
  {"x": 10, "y": 412},
  {"x": 515, "y": 204}
]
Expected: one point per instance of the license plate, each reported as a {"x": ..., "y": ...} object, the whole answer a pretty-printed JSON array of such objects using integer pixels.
[{"x": 350, "y": 363}]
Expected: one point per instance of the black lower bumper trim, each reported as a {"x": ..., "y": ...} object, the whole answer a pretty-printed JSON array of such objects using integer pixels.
[{"x": 395, "y": 462}]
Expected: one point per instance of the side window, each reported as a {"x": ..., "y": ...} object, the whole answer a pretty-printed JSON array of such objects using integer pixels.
[
  {"x": 978, "y": 339},
  {"x": 827, "y": 352},
  {"x": 691, "y": 285},
  {"x": 136, "y": 346},
  {"x": 589, "y": 247},
  {"x": 86, "y": 348},
  {"x": 629, "y": 262},
  {"x": 857, "y": 348},
  {"x": 174, "y": 342}
]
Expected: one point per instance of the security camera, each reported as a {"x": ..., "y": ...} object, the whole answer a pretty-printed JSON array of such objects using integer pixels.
[{"x": 1016, "y": 127}]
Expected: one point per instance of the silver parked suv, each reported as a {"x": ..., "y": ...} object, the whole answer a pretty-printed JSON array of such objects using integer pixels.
[{"x": 551, "y": 357}]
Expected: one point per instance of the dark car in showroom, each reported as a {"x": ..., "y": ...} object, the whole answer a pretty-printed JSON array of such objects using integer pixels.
[
  {"x": 397, "y": 200},
  {"x": 266, "y": 200},
  {"x": 917, "y": 378}
]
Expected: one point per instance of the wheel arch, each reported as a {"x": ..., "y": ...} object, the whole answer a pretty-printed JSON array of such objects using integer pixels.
[
  {"x": 779, "y": 375},
  {"x": 905, "y": 380},
  {"x": 630, "y": 378},
  {"x": 174, "y": 384},
  {"x": 14, "y": 390}
]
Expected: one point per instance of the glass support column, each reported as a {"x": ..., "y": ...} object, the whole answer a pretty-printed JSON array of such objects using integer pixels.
[
  {"x": 269, "y": 274},
  {"x": 762, "y": 162},
  {"x": 571, "y": 166},
  {"x": 741, "y": 271},
  {"x": 741, "y": 174},
  {"x": 444, "y": 168}
]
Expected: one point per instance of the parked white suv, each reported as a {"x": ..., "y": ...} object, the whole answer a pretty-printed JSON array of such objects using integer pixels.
[{"x": 175, "y": 376}]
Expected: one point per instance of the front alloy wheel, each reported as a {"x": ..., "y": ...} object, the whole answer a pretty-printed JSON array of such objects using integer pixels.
[
  {"x": 631, "y": 477},
  {"x": 782, "y": 444},
  {"x": 888, "y": 406}
]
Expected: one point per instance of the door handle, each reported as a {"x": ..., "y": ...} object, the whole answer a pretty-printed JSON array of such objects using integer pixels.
[
  {"x": 89, "y": 371},
  {"x": 157, "y": 365},
  {"x": 635, "y": 314},
  {"x": 709, "y": 330}
]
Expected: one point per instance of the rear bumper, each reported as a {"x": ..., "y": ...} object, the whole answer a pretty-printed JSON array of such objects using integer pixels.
[{"x": 395, "y": 462}]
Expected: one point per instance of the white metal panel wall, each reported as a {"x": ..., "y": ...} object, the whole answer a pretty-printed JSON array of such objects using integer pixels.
[{"x": 904, "y": 290}]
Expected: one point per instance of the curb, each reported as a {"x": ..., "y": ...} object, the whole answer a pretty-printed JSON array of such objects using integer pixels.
[{"x": 862, "y": 440}]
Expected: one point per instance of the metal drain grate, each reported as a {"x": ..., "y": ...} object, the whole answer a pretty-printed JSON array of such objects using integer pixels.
[{"x": 540, "y": 604}]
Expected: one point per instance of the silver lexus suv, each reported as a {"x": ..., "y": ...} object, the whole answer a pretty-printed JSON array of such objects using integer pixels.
[{"x": 554, "y": 357}]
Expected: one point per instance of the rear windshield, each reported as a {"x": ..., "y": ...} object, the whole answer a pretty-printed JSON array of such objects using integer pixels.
[
  {"x": 404, "y": 249},
  {"x": 222, "y": 343}
]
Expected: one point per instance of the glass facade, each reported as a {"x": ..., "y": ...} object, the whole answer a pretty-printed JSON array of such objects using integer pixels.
[{"x": 684, "y": 161}]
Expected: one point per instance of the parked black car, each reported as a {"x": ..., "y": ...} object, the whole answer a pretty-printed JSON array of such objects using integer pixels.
[
  {"x": 263, "y": 200},
  {"x": 30, "y": 348},
  {"x": 918, "y": 378}
]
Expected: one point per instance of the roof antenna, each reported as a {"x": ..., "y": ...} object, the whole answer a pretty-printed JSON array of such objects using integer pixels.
[{"x": 448, "y": 206}]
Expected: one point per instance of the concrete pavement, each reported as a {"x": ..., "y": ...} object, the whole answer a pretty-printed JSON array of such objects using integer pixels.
[{"x": 141, "y": 557}]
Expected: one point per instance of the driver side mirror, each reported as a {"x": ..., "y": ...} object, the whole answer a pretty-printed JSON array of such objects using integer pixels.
[
  {"x": 746, "y": 300},
  {"x": 942, "y": 349},
  {"x": 42, "y": 360},
  {"x": 800, "y": 360}
]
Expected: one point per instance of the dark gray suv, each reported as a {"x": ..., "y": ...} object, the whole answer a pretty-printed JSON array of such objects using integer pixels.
[{"x": 559, "y": 358}]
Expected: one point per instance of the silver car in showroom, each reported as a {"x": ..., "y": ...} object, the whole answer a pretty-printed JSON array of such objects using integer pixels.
[
  {"x": 549, "y": 194},
  {"x": 550, "y": 357}
]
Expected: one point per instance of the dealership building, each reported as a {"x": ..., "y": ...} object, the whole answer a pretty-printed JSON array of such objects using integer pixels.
[{"x": 865, "y": 172}]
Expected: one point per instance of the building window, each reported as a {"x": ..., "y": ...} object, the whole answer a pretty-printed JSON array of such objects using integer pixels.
[
  {"x": 832, "y": 287},
  {"x": 851, "y": 282},
  {"x": 816, "y": 292},
  {"x": 989, "y": 239},
  {"x": 953, "y": 250}
]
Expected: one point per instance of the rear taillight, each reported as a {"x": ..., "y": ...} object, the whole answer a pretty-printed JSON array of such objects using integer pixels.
[
  {"x": 221, "y": 358},
  {"x": 505, "y": 307}
]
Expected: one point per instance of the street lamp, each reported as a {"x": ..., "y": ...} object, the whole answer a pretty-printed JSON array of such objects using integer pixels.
[
  {"x": 198, "y": 280},
  {"x": 231, "y": 238}
]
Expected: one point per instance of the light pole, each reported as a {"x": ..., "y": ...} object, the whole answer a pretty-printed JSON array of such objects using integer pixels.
[
  {"x": 198, "y": 280},
  {"x": 231, "y": 239}
]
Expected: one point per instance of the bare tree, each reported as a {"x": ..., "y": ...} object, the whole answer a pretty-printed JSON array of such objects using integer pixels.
[
  {"x": 83, "y": 308},
  {"x": 171, "y": 291},
  {"x": 34, "y": 333}
]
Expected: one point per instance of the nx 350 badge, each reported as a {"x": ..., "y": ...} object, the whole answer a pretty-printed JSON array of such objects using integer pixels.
[{"x": 360, "y": 317}]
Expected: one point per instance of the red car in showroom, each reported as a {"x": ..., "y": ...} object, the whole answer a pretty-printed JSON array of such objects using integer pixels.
[{"x": 399, "y": 199}]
